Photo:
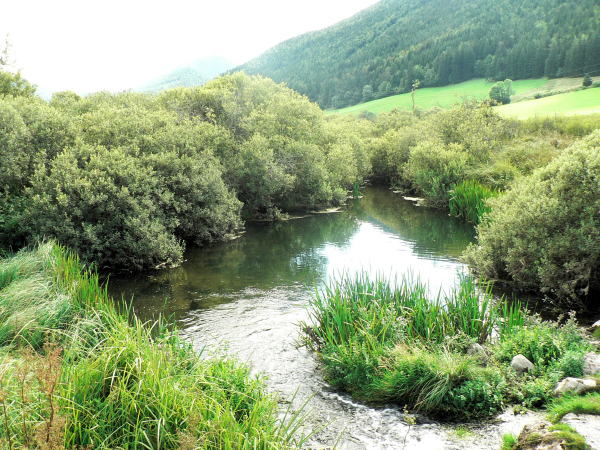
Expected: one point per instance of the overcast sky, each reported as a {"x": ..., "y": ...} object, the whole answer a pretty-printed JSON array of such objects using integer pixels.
[{"x": 90, "y": 45}]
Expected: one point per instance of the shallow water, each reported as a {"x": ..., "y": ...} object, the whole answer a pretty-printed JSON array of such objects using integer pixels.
[{"x": 247, "y": 295}]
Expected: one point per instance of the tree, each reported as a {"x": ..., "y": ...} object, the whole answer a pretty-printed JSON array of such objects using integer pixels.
[
  {"x": 415, "y": 86},
  {"x": 12, "y": 83},
  {"x": 367, "y": 93},
  {"x": 587, "y": 80},
  {"x": 501, "y": 92}
]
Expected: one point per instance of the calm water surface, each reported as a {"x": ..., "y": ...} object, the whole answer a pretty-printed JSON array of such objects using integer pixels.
[{"x": 247, "y": 295}]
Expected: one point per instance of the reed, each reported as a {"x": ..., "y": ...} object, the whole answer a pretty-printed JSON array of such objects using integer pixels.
[
  {"x": 353, "y": 307},
  {"x": 468, "y": 200}
]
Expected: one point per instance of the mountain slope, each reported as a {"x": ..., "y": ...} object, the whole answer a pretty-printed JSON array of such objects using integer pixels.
[
  {"x": 194, "y": 74},
  {"x": 439, "y": 42}
]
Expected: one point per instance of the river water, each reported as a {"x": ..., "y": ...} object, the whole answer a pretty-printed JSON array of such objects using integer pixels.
[{"x": 247, "y": 296}]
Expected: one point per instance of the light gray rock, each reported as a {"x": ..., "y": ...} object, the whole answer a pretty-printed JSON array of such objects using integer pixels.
[
  {"x": 577, "y": 385},
  {"x": 595, "y": 326},
  {"x": 591, "y": 364},
  {"x": 521, "y": 365},
  {"x": 586, "y": 425}
]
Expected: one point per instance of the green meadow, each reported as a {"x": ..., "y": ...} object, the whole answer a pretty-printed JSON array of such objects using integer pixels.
[
  {"x": 444, "y": 97},
  {"x": 580, "y": 102}
]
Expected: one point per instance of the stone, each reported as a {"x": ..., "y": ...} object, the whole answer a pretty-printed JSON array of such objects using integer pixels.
[
  {"x": 595, "y": 326},
  {"x": 591, "y": 364},
  {"x": 577, "y": 385},
  {"x": 521, "y": 365},
  {"x": 537, "y": 436}
]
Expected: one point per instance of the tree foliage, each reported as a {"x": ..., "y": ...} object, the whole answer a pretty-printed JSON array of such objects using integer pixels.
[{"x": 127, "y": 179}]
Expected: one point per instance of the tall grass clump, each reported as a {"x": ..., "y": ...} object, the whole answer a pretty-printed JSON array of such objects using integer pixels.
[
  {"x": 447, "y": 354},
  {"x": 386, "y": 341},
  {"x": 86, "y": 374},
  {"x": 468, "y": 200}
]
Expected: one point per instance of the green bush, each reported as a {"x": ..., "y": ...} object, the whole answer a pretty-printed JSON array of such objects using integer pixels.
[
  {"x": 543, "y": 234},
  {"x": 124, "y": 210}
]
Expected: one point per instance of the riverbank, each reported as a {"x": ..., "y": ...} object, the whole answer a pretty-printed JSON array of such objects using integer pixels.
[{"x": 76, "y": 372}]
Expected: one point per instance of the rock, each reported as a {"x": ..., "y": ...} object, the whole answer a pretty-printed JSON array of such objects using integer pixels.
[
  {"x": 595, "y": 326},
  {"x": 478, "y": 353},
  {"x": 577, "y": 385},
  {"x": 586, "y": 425},
  {"x": 521, "y": 365},
  {"x": 591, "y": 364},
  {"x": 537, "y": 436}
]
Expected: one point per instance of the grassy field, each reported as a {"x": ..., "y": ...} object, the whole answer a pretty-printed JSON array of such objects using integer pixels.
[
  {"x": 580, "y": 102},
  {"x": 523, "y": 106},
  {"x": 443, "y": 97}
]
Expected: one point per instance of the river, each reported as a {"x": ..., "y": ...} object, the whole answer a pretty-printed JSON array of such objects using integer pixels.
[{"x": 247, "y": 296}]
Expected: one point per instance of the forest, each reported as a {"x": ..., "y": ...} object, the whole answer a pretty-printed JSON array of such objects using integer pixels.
[{"x": 382, "y": 50}]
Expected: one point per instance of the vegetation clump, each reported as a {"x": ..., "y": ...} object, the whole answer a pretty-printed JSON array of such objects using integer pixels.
[
  {"x": 542, "y": 233},
  {"x": 386, "y": 342},
  {"x": 75, "y": 372}
]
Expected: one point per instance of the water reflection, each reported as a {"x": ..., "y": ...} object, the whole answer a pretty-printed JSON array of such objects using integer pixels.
[{"x": 380, "y": 232}]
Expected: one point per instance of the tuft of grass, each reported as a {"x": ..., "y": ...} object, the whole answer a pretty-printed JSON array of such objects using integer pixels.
[
  {"x": 103, "y": 379},
  {"x": 589, "y": 404},
  {"x": 468, "y": 200},
  {"x": 572, "y": 439},
  {"x": 509, "y": 441}
]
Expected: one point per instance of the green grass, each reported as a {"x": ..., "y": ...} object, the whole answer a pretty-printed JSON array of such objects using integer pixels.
[
  {"x": 443, "y": 97},
  {"x": 580, "y": 102},
  {"x": 589, "y": 404},
  {"x": 394, "y": 342},
  {"x": 102, "y": 379}
]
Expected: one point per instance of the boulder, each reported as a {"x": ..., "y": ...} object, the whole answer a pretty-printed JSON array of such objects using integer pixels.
[
  {"x": 591, "y": 364},
  {"x": 577, "y": 385},
  {"x": 595, "y": 326},
  {"x": 521, "y": 365}
]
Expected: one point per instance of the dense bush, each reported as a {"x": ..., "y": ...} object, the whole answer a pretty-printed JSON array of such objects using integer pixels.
[
  {"x": 543, "y": 233},
  {"x": 126, "y": 179}
]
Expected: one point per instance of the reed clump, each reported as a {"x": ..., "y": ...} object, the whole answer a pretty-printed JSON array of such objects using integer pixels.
[
  {"x": 92, "y": 376},
  {"x": 468, "y": 200},
  {"x": 446, "y": 355}
]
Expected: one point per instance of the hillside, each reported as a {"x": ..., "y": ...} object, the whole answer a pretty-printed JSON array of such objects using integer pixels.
[
  {"x": 194, "y": 74},
  {"x": 380, "y": 51}
]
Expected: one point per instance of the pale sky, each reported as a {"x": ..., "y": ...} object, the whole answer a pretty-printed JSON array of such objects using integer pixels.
[{"x": 87, "y": 46}]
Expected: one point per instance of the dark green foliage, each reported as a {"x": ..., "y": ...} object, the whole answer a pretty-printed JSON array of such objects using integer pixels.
[
  {"x": 438, "y": 43},
  {"x": 587, "y": 80},
  {"x": 542, "y": 233}
]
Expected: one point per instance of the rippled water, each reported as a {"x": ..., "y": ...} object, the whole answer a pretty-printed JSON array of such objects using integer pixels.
[{"x": 248, "y": 295}]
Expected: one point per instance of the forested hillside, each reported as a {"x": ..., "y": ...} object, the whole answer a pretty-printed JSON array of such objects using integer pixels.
[{"x": 382, "y": 50}]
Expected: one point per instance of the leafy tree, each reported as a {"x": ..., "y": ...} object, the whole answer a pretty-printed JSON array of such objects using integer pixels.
[
  {"x": 501, "y": 91},
  {"x": 367, "y": 93},
  {"x": 587, "y": 80}
]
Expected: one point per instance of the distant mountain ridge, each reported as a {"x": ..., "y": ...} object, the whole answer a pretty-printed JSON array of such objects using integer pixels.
[
  {"x": 383, "y": 49},
  {"x": 194, "y": 74}
]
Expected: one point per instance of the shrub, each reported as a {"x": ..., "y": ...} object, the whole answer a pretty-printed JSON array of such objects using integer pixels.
[
  {"x": 543, "y": 234},
  {"x": 128, "y": 211},
  {"x": 587, "y": 80}
]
